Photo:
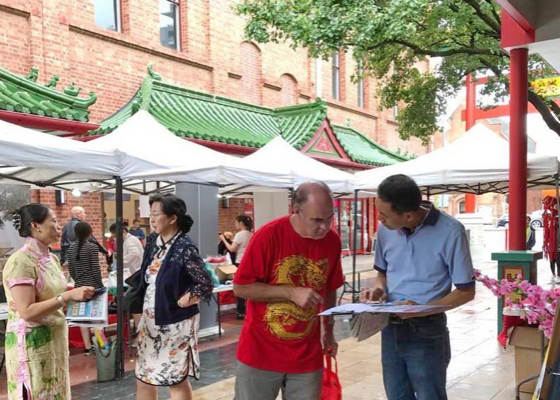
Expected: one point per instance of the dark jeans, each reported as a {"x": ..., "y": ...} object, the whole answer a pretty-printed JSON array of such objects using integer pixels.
[
  {"x": 555, "y": 266},
  {"x": 240, "y": 302},
  {"x": 415, "y": 354}
]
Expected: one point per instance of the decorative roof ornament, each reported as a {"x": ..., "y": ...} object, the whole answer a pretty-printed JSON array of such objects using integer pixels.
[
  {"x": 33, "y": 74},
  {"x": 54, "y": 80},
  {"x": 153, "y": 74},
  {"x": 72, "y": 90},
  {"x": 24, "y": 94}
]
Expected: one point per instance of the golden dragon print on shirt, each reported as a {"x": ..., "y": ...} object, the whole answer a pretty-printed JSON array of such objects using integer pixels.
[{"x": 286, "y": 320}]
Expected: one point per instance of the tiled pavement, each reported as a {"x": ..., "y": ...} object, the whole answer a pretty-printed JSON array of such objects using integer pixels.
[
  {"x": 218, "y": 365},
  {"x": 479, "y": 370}
]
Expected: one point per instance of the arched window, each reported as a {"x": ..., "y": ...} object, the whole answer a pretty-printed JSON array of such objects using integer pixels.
[
  {"x": 251, "y": 68},
  {"x": 289, "y": 90}
]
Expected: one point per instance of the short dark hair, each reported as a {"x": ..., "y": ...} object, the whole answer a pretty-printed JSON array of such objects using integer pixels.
[
  {"x": 135, "y": 221},
  {"x": 25, "y": 215},
  {"x": 173, "y": 205},
  {"x": 245, "y": 220},
  {"x": 113, "y": 228},
  {"x": 401, "y": 192}
]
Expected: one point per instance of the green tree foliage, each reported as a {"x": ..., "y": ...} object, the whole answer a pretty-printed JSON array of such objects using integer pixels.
[
  {"x": 391, "y": 37},
  {"x": 11, "y": 198}
]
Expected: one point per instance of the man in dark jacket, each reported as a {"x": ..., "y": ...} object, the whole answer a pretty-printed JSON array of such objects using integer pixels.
[
  {"x": 69, "y": 236},
  {"x": 531, "y": 240}
]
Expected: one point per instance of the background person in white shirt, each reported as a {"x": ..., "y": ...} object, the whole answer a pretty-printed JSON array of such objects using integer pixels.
[
  {"x": 133, "y": 253},
  {"x": 244, "y": 225}
]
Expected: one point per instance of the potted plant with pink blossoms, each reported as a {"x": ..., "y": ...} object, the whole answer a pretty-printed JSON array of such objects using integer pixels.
[{"x": 536, "y": 305}]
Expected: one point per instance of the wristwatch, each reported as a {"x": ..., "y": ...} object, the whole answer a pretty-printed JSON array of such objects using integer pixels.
[{"x": 61, "y": 300}]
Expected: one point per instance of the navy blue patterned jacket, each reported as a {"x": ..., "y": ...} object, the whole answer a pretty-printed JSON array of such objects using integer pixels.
[{"x": 182, "y": 271}]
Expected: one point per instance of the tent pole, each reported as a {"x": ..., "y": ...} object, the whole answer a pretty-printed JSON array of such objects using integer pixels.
[
  {"x": 557, "y": 191},
  {"x": 354, "y": 240},
  {"x": 557, "y": 203},
  {"x": 120, "y": 287}
]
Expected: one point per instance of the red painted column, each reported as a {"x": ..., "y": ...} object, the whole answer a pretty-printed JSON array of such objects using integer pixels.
[
  {"x": 470, "y": 199},
  {"x": 518, "y": 148}
]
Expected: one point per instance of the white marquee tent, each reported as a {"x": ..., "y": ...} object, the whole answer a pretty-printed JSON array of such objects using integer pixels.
[
  {"x": 278, "y": 157},
  {"x": 37, "y": 158},
  {"x": 149, "y": 151},
  {"x": 477, "y": 162}
]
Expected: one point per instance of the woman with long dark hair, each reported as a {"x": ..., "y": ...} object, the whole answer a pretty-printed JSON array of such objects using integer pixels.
[
  {"x": 83, "y": 266},
  {"x": 244, "y": 226},
  {"x": 37, "y": 333},
  {"x": 175, "y": 281}
]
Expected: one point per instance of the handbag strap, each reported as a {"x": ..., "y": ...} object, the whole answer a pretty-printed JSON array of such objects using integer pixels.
[{"x": 328, "y": 361}]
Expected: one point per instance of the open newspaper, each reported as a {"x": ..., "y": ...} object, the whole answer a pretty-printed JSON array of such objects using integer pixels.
[
  {"x": 368, "y": 319},
  {"x": 89, "y": 313}
]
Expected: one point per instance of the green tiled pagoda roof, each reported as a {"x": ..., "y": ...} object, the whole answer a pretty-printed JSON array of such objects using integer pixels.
[
  {"x": 299, "y": 123},
  {"x": 25, "y": 95},
  {"x": 363, "y": 150},
  {"x": 197, "y": 115}
]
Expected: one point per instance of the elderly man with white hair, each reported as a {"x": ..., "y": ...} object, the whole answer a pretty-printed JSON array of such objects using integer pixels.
[{"x": 69, "y": 236}]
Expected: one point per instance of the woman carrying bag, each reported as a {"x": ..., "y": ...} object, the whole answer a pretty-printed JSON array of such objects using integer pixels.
[{"x": 174, "y": 280}]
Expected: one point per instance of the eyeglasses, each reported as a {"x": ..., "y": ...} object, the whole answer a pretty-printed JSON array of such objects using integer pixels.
[{"x": 155, "y": 215}]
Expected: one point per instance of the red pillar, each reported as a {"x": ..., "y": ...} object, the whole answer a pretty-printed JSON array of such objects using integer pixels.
[
  {"x": 518, "y": 148},
  {"x": 470, "y": 199}
]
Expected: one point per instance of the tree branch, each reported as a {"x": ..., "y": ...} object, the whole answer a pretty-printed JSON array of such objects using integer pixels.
[
  {"x": 476, "y": 7},
  {"x": 555, "y": 108},
  {"x": 494, "y": 12},
  {"x": 433, "y": 53},
  {"x": 545, "y": 112},
  {"x": 495, "y": 70},
  {"x": 536, "y": 101}
]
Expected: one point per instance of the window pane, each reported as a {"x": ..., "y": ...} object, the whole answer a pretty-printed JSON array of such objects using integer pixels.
[
  {"x": 336, "y": 59},
  {"x": 168, "y": 24},
  {"x": 360, "y": 92},
  {"x": 336, "y": 76},
  {"x": 106, "y": 14},
  {"x": 336, "y": 84}
]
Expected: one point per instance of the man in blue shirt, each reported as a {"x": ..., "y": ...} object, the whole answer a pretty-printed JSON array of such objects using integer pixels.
[{"x": 420, "y": 254}]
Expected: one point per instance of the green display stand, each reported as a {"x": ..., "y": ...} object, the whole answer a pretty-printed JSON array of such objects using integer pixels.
[{"x": 512, "y": 263}]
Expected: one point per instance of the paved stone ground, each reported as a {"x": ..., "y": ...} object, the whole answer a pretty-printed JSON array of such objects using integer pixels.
[{"x": 217, "y": 365}]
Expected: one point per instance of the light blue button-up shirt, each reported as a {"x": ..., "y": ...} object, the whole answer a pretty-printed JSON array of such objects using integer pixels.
[{"x": 424, "y": 265}]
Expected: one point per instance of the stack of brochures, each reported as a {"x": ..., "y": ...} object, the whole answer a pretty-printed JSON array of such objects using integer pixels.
[
  {"x": 370, "y": 318},
  {"x": 89, "y": 313},
  {"x": 365, "y": 325}
]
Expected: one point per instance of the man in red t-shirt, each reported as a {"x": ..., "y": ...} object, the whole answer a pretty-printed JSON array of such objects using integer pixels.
[{"x": 289, "y": 273}]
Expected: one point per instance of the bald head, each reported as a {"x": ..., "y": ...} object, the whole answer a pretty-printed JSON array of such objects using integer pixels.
[
  {"x": 78, "y": 213},
  {"x": 313, "y": 210},
  {"x": 312, "y": 191}
]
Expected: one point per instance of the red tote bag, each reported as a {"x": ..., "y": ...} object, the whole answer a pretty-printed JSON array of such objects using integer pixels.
[{"x": 331, "y": 385}]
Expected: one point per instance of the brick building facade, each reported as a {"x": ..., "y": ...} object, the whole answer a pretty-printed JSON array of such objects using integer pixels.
[
  {"x": 104, "y": 47},
  {"x": 62, "y": 38}
]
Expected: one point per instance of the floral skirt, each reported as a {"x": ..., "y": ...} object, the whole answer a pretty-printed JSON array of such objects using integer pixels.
[{"x": 167, "y": 354}]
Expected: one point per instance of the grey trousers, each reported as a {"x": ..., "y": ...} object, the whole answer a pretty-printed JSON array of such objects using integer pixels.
[{"x": 256, "y": 384}]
